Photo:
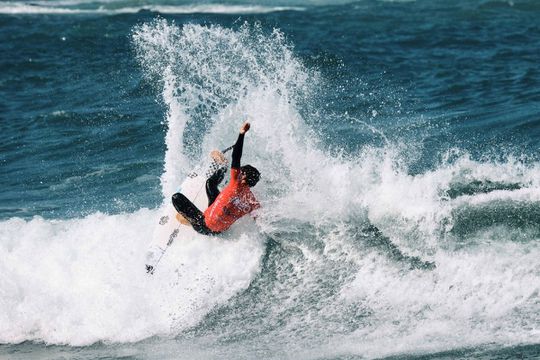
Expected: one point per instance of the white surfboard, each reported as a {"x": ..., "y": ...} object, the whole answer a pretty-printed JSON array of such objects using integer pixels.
[{"x": 170, "y": 224}]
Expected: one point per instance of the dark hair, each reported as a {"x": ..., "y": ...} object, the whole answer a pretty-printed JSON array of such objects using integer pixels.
[{"x": 252, "y": 175}]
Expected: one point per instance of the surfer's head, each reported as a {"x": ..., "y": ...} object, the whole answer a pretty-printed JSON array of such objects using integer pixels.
[{"x": 250, "y": 175}]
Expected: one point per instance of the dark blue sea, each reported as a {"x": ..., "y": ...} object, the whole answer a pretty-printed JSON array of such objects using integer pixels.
[{"x": 398, "y": 143}]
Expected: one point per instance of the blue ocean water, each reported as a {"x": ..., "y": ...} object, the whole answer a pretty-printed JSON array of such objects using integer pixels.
[{"x": 398, "y": 144}]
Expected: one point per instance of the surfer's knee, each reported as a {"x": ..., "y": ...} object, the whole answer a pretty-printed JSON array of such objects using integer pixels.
[{"x": 178, "y": 198}]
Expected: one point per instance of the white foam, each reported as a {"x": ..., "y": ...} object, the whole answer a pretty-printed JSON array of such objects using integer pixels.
[
  {"x": 256, "y": 76},
  {"x": 81, "y": 281},
  {"x": 471, "y": 298}
]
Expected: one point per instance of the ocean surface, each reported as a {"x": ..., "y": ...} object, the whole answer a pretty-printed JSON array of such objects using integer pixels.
[{"x": 398, "y": 145}]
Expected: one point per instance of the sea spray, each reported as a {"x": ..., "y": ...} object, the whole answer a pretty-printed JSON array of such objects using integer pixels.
[{"x": 217, "y": 78}]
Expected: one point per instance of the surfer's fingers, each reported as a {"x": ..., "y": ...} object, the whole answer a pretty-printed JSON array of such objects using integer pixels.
[{"x": 245, "y": 127}]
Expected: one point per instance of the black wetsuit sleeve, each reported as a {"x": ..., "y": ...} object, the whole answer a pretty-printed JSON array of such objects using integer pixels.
[{"x": 237, "y": 152}]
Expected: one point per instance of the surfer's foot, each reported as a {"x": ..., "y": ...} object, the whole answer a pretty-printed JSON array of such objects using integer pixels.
[
  {"x": 182, "y": 220},
  {"x": 218, "y": 157}
]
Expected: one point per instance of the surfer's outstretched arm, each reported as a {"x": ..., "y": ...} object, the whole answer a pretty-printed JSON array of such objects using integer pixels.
[{"x": 237, "y": 149}]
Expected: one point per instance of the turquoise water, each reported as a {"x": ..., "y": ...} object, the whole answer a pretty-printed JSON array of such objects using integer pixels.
[{"x": 398, "y": 145}]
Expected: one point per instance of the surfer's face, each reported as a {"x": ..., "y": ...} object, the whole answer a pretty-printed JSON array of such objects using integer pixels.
[
  {"x": 249, "y": 175},
  {"x": 243, "y": 178}
]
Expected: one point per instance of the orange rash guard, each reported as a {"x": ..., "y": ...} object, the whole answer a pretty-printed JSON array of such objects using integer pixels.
[{"x": 234, "y": 201}]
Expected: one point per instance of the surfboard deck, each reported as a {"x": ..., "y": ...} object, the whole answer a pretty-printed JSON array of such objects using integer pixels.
[{"x": 171, "y": 224}]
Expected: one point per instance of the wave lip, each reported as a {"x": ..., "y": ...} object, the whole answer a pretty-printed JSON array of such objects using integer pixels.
[{"x": 21, "y": 8}]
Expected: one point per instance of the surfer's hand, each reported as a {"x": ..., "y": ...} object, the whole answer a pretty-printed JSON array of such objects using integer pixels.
[{"x": 245, "y": 127}]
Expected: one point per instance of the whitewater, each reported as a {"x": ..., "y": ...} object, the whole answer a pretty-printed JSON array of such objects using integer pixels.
[{"x": 354, "y": 252}]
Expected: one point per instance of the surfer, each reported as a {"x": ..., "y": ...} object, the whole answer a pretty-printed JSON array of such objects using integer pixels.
[{"x": 229, "y": 205}]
